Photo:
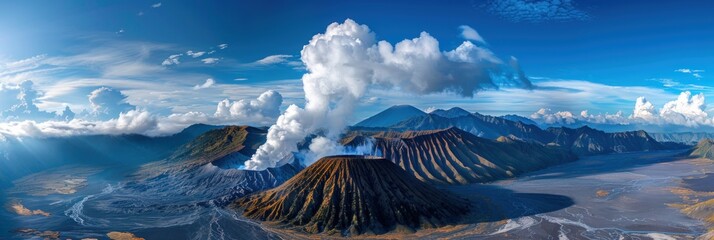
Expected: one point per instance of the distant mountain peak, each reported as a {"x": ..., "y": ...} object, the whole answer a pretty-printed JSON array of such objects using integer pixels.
[
  {"x": 391, "y": 116},
  {"x": 451, "y": 113}
]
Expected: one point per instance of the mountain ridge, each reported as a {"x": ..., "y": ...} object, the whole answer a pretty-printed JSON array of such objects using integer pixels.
[{"x": 454, "y": 156}]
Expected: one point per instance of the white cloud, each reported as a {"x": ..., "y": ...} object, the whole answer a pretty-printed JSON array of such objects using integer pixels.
[
  {"x": 687, "y": 70},
  {"x": 371, "y": 100},
  {"x": 469, "y": 33},
  {"x": 223, "y": 46},
  {"x": 18, "y": 102},
  {"x": 274, "y": 59},
  {"x": 195, "y": 54},
  {"x": 547, "y": 115},
  {"x": 134, "y": 121},
  {"x": 128, "y": 66},
  {"x": 209, "y": 83},
  {"x": 469, "y": 53},
  {"x": 107, "y": 103},
  {"x": 209, "y": 60},
  {"x": 263, "y": 110},
  {"x": 172, "y": 60},
  {"x": 10, "y": 68},
  {"x": 694, "y": 72},
  {"x": 156, "y": 5},
  {"x": 131, "y": 69},
  {"x": 687, "y": 110},
  {"x": 240, "y": 79},
  {"x": 644, "y": 110}
]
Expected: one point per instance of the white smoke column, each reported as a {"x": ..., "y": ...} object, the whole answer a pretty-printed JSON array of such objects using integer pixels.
[{"x": 345, "y": 60}]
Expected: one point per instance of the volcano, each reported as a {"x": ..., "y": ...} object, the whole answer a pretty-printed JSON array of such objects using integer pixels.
[{"x": 351, "y": 195}]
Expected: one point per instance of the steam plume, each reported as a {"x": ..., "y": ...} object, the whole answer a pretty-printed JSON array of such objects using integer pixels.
[{"x": 346, "y": 60}]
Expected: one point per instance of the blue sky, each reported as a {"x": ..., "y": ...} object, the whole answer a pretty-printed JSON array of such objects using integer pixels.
[{"x": 598, "y": 56}]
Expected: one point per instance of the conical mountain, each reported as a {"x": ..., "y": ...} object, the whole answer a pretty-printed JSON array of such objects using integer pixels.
[
  {"x": 391, "y": 116},
  {"x": 350, "y": 195},
  {"x": 704, "y": 149}
]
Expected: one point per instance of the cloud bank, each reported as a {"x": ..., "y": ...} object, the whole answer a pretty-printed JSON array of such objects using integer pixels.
[
  {"x": 687, "y": 110},
  {"x": 346, "y": 60},
  {"x": 260, "y": 111}
]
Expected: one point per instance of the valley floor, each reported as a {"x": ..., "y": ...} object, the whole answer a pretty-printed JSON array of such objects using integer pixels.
[{"x": 619, "y": 196}]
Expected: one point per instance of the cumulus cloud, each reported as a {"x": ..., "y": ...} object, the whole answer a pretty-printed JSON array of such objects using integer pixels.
[
  {"x": 469, "y": 33},
  {"x": 644, "y": 110},
  {"x": 172, "y": 60},
  {"x": 156, "y": 5},
  {"x": 536, "y": 10},
  {"x": 548, "y": 116},
  {"x": 209, "y": 83},
  {"x": 107, "y": 103},
  {"x": 262, "y": 110},
  {"x": 18, "y": 102},
  {"x": 195, "y": 54},
  {"x": 209, "y": 60},
  {"x": 346, "y": 60},
  {"x": 274, "y": 59},
  {"x": 223, "y": 46},
  {"x": 687, "y": 110}
]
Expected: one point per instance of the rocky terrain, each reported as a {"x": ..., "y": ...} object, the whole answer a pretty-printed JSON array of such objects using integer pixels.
[
  {"x": 351, "y": 195},
  {"x": 453, "y": 156},
  {"x": 689, "y": 138},
  {"x": 704, "y": 149},
  {"x": 209, "y": 166},
  {"x": 589, "y": 141}
]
